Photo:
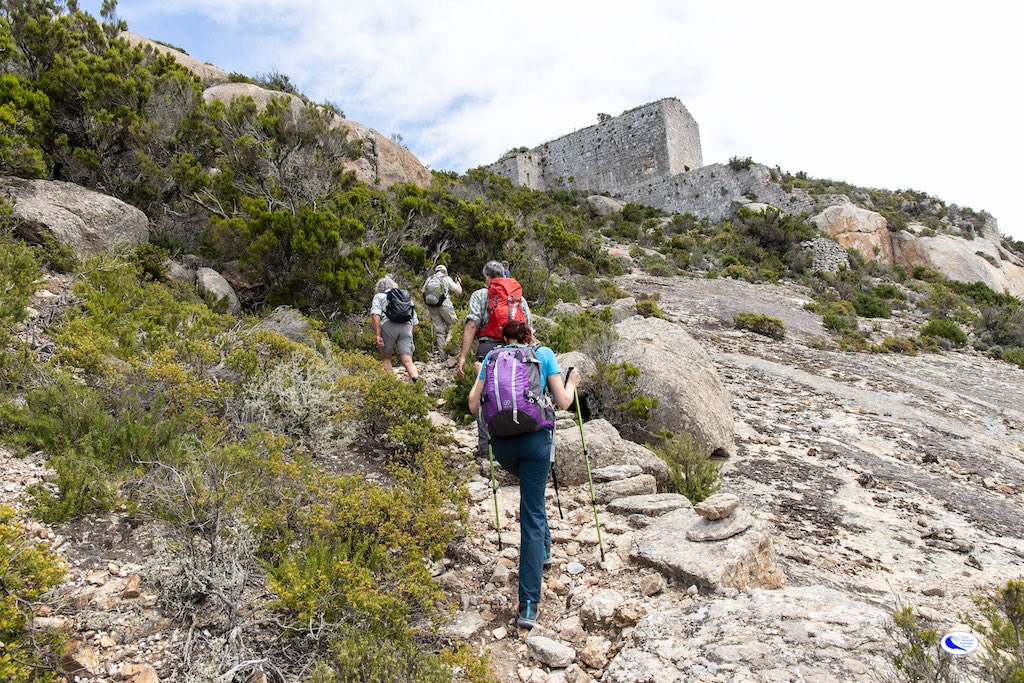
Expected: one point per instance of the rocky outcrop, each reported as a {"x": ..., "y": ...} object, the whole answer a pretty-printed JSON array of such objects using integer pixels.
[
  {"x": 678, "y": 371},
  {"x": 381, "y": 162},
  {"x": 979, "y": 260},
  {"x": 89, "y": 222},
  {"x": 742, "y": 559},
  {"x": 795, "y": 634},
  {"x": 207, "y": 73},
  {"x": 606, "y": 448},
  {"x": 856, "y": 228}
]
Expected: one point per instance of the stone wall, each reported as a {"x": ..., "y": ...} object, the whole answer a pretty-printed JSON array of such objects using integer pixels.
[{"x": 656, "y": 140}]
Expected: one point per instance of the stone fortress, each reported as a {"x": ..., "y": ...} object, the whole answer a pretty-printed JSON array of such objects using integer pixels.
[
  {"x": 649, "y": 155},
  {"x": 653, "y": 141}
]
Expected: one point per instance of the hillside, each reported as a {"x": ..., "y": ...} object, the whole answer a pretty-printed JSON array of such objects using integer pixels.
[{"x": 208, "y": 476}]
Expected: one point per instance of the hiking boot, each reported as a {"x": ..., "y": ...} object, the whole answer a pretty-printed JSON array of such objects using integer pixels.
[
  {"x": 547, "y": 557},
  {"x": 527, "y": 615}
]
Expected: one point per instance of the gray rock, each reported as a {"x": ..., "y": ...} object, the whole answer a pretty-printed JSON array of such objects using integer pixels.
[
  {"x": 565, "y": 308},
  {"x": 652, "y": 584},
  {"x": 599, "y": 611},
  {"x": 466, "y": 625},
  {"x": 218, "y": 291},
  {"x": 758, "y": 635},
  {"x": 643, "y": 484},
  {"x": 88, "y": 222},
  {"x": 175, "y": 272},
  {"x": 551, "y": 652},
  {"x": 705, "y": 530},
  {"x": 616, "y": 472},
  {"x": 288, "y": 322},
  {"x": 717, "y": 506},
  {"x": 604, "y": 206},
  {"x": 653, "y": 505},
  {"x": 744, "y": 561},
  {"x": 606, "y": 448},
  {"x": 677, "y": 370},
  {"x": 982, "y": 260},
  {"x": 623, "y": 309},
  {"x": 574, "y": 568}
]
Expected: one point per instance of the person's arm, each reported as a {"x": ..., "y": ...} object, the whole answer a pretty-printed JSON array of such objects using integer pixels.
[
  {"x": 474, "y": 395},
  {"x": 455, "y": 285},
  {"x": 468, "y": 333},
  {"x": 376, "y": 330},
  {"x": 529, "y": 316},
  {"x": 563, "y": 394}
]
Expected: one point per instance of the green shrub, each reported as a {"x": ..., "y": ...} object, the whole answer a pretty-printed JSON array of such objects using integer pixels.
[
  {"x": 648, "y": 308},
  {"x": 740, "y": 163},
  {"x": 1003, "y": 632},
  {"x": 619, "y": 396},
  {"x": 27, "y": 571},
  {"x": 900, "y": 345},
  {"x": 916, "y": 653},
  {"x": 1014, "y": 355},
  {"x": 737, "y": 271},
  {"x": 573, "y": 331},
  {"x": 835, "y": 322},
  {"x": 456, "y": 397},
  {"x": 691, "y": 473},
  {"x": 947, "y": 329},
  {"x": 871, "y": 306},
  {"x": 759, "y": 323}
]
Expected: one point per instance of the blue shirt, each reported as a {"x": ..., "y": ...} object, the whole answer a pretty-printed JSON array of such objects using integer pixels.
[{"x": 548, "y": 364}]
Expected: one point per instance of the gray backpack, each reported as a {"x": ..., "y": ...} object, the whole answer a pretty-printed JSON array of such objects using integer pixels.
[{"x": 435, "y": 291}]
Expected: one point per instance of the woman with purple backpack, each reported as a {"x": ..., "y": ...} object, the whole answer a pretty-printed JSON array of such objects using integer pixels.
[{"x": 526, "y": 454}]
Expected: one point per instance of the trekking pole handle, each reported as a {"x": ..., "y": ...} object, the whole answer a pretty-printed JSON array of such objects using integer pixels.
[{"x": 568, "y": 373}]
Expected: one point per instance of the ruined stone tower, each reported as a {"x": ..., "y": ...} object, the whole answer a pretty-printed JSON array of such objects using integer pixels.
[{"x": 654, "y": 141}]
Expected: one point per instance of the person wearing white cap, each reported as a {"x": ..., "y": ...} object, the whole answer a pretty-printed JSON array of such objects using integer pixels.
[{"x": 437, "y": 294}]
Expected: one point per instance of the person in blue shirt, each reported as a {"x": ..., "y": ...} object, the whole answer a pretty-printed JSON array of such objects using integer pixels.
[{"x": 528, "y": 456}]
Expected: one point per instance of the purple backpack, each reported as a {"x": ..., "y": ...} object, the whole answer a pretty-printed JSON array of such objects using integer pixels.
[{"x": 512, "y": 400}]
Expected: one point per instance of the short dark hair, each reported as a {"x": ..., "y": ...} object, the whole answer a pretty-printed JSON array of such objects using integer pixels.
[{"x": 517, "y": 331}]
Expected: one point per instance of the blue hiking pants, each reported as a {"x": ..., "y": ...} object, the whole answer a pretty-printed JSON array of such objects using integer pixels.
[{"x": 528, "y": 456}]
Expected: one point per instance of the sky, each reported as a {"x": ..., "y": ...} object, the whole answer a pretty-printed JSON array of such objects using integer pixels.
[{"x": 891, "y": 94}]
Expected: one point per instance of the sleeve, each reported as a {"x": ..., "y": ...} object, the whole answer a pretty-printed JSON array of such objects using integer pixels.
[
  {"x": 548, "y": 361},
  {"x": 377, "y": 305},
  {"x": 477, "y": 307}
]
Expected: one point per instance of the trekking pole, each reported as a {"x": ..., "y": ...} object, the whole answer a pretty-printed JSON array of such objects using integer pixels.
[
  {"x": 590, "y": 479},
  {"x": 554, "y": 477},
  {"x": 494, "y": 492}
]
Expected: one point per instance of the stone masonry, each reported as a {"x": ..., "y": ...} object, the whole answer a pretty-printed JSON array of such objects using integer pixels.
[{"x": 653, "y": 141}]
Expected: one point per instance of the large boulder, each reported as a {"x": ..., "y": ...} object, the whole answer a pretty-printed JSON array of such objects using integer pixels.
[
  {"x": 217, "y": 291},
  {"x": 807, "y": 633},
  {"x": 676, "y": 369},
  {"x": 856, "y": 228},
  {"x": 87, "y": 221},
  {"x": 207, "y": 73},
  {"x": 382, "y": 161},
  {"x": 604, "y": 206},
  {"x": 742, "y": 561},
  {"x": 982, "y": 259},
  {"x": 605, "y": 447}
]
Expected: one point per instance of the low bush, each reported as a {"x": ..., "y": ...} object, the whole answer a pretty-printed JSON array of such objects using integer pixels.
[
  {"x": 1014, "y": 355},
  {"x": 759, "y": 323},
  {"x": 944, "y": 328},
  {"x": 871, "y": 306},
  {"x": 900, "y": 345},
  {"x": 691, "y": 473},
  {"x": 27, "y": 571},
  {"x": 573, "y": 331},
  {"x": 619, "y": 395}
]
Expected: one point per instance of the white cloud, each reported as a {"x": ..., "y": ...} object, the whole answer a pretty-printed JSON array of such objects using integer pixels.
[{"x": 908, "y": 94}]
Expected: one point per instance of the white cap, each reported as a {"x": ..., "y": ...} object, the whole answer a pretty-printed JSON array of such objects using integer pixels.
[{"x": 441, "y": 268}]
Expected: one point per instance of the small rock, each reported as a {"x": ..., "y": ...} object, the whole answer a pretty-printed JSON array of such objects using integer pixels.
[
  {"x": 499, "y": 633},
  {"x": 113, "y": 569},
  {"x": 705, "y": 530},
  {"x": 616, "y": 472},
  {"x": 652, "y": 584},
  {"x": 146, "y": 674},
  {"x": 934, "y": 591},
  {"x": 972, "y": 561},
  {"x": 132, "y": 589},
  {"x": 598, "y": 611},
  {"x": 575, "y": 568},
  {"x": 79, "y": 658},
  {"x": 106, "y": 642},
  {"x": 550, "y": 652},
  {"x": 718, "y": 506},
  {"x": 867, "y": 480},
  {"x": 96, "y": 578},
  {"x": 692, "y": 590},
  {"x": 595, "y": 653}
]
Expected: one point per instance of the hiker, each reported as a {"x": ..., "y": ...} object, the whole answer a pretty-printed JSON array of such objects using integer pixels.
[
  {"x": 525, "y": 455},
  {"x": 478, "y": 319},
  {"x": 490, "y": 308},
  {"x": 437, "y": 294},
  {"x": 394, "y": 318},
  {"x": 508, "y": 273}
]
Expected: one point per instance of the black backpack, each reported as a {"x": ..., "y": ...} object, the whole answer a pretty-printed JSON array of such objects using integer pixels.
[{"x": 399, "y": 308}]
